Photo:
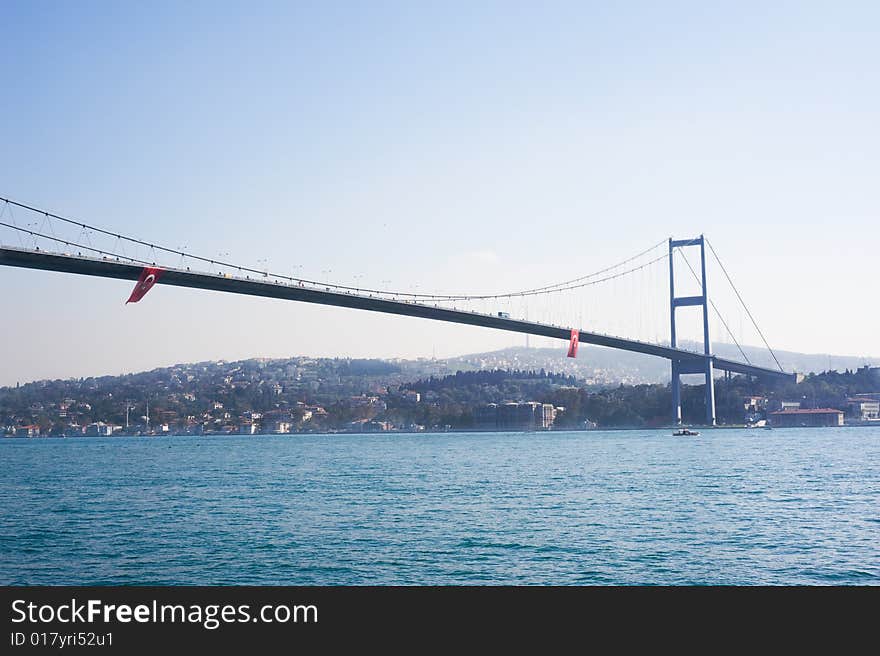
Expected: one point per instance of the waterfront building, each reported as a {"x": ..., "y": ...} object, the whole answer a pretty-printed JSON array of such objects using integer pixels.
[
  {"x": 279, "y": 426},
  {"x": 547, "y": 415},
  {"x": 515, "y": 416},
  {"x": 863, "y": 408},
  {"x": 99, "y": 428},
  {"x": 755, "y": 409},
  {"x": 486, "y": 417},
  {"x": 806, "y": 418}
]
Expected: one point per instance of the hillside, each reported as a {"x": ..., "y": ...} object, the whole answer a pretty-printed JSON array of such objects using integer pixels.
[
  {"x": 318, "y": 394},
  {"x": 603, "y": 366}
]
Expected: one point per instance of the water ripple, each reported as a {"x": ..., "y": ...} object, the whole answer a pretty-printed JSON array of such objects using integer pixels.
[{"x": 597, "y": 508}]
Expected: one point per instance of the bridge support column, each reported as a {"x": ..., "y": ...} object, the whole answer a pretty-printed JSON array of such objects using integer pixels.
[
  {"x": 701, "y": 301},
  {"x": 710, "y": 393},
  {"x": 676, "y": 394},
  {"x": 707, "y": 345}
]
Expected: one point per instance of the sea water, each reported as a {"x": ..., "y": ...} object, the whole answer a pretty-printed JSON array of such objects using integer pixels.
[{"x": 792, "y": 506}]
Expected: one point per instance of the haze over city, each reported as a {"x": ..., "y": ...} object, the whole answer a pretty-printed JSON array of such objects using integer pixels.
[{"x": 398, "y": 147}]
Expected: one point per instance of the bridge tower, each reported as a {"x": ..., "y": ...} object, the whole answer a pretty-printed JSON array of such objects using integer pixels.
[{"x": 679, "y": 367}]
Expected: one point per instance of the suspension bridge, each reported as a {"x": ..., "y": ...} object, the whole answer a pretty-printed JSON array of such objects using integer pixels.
[{"x": 51, "y": 242}]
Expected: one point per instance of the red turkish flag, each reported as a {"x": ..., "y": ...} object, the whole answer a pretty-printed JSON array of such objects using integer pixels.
[
  {"x": 573, "y": 345},
  {"x": 145, "y": 283}
]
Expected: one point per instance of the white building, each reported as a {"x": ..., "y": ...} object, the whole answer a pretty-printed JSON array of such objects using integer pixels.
[
  {"x": 100, "y": 429},
  {"x": 863, "y": 409}
]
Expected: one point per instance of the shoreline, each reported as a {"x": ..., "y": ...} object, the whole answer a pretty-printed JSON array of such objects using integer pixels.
[{"x": 448, "y": 432}]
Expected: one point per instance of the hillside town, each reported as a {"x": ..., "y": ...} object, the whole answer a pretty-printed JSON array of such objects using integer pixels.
[{"x": 304, "y": 395}]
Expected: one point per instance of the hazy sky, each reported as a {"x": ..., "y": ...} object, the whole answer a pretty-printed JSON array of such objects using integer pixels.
[{"x": 446, "y": 145}]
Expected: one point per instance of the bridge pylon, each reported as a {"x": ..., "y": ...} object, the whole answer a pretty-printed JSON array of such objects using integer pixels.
[{"x": 680, "y": 367}]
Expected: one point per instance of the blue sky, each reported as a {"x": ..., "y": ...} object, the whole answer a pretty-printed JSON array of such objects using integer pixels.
[{"x": 444, "y": 146}]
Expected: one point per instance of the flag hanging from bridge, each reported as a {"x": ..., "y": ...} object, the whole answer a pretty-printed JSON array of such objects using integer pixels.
[
  {"x": 573, "y": 344},
  {"x": 145, "y": 283}
]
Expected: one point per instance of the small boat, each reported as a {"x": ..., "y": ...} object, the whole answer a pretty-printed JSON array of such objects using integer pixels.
[{"x": 685, "y": 431}]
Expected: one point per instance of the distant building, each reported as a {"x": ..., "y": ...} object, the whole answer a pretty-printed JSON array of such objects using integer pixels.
[
  {"x": 755, "y": 408},
  {"x": 372, "y": 401},
  {"x": 99, "y": 428},
  {"x": 378, "y": 426},
  {"x": 515, "y": 416},
  {"x": 486, "y": 417},
  {"x": 863, "y": 408},
  {"x": 368, "y": 426},
  {"x": 279, "y": 426},
  {"x": 547, "y": 416},
  {"x": 810, "y": 418},
  {"x": 782, "y": 406},
  {"x": 27, "y": 431}
]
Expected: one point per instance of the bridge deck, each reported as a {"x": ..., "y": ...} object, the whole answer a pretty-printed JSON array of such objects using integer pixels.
[{"x": 108, "y": 268}]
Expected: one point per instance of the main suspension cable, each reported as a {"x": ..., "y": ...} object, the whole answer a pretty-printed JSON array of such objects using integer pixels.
[{"x": 557, "y": 287}]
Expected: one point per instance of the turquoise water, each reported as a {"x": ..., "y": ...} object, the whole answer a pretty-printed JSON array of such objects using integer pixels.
[{"x": 798, "y": 506}]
